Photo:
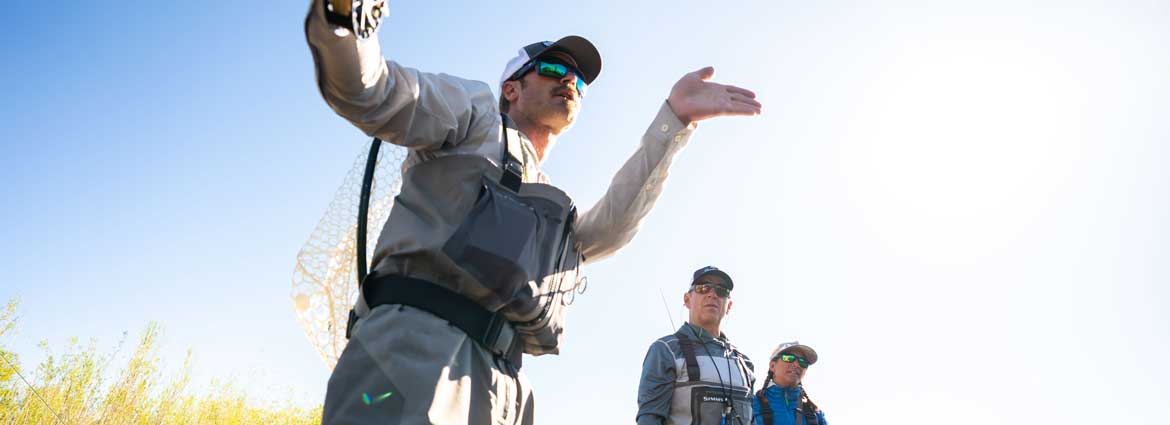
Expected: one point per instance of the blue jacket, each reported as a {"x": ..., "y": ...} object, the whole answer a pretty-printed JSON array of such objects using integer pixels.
[{"x": 783, "y": 402}]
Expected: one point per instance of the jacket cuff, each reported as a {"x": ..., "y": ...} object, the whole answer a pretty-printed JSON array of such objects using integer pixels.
[
  {"x": 668, "y": 129},
  {"x": 317, "y": 22}
]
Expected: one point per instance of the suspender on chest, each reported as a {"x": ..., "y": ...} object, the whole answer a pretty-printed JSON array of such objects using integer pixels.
[
  {"x": 765, "y": 409},
  {"x": 513, "y": 159},
  {"x": 688, "y": 349}
]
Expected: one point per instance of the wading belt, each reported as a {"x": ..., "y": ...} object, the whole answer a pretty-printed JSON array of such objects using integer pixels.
[{"x": 491, "y": 330}]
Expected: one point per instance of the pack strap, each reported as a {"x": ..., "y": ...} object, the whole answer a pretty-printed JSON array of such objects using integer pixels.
[
  {"x": 490, "y": 329},
  {"x": 513, "y": 159},
  {"x": 688, "y": 349},
  {"x": 749, "y": 381},
  {"x": 809, "y": 415},
  {"x": 765, "y": 409},
  {"x": 805, "y": 412}
]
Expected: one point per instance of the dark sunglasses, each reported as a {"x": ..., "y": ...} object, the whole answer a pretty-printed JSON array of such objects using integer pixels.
[
  {"x": 554, "y": 70},
  {"x": 703, "y": 289},
  {"x": 789, "y": 358}
]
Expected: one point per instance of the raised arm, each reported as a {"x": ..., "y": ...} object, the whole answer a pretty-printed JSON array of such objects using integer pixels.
[
  {"x": 384, "y": 99},
  {"x": 614, "y": 220}
]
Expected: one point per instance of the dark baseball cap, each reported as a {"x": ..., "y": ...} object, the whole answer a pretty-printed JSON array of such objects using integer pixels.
[
  {"x": 714, "y": 271},
  {"x": 584, "y": 54}
]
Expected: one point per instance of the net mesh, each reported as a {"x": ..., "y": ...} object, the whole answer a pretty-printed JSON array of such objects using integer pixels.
[{"x": 325, "y": 283}]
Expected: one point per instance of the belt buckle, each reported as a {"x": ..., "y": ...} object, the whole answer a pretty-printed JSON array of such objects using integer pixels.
[{"x": 499, "y": 335}]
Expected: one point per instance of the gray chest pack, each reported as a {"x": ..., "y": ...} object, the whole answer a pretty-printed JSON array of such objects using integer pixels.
[
  {"x": 708, "y": 396},
  {"x": 508, "y": 251}
]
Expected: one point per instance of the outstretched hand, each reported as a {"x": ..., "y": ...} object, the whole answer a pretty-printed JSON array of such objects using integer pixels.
[{"x": 693, "y": 98}]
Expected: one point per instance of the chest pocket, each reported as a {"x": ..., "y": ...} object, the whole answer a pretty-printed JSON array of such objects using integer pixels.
[{"x": 710, "y": 404}]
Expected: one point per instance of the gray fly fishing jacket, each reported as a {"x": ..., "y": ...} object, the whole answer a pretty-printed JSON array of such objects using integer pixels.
[{"x": 517, "y": 253}]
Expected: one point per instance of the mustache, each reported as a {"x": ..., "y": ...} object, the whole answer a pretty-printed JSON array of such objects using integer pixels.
[{"x": 566, "y": 89}]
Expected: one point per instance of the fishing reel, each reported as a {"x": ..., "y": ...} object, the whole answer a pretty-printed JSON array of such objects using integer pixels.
[{"x": 361, "y": 17}]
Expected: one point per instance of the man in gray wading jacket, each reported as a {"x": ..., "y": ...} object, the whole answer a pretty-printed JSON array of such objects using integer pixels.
[
  {"x": 693, "y": 377},
  {"x": 475, "y": 261}
]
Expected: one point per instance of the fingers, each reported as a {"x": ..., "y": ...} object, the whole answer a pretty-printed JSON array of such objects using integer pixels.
[
  {"x": 741, "y": 91},
  {"x": 705, "y": 73},
  {"x": 740, "y": 108},
  {"x": 740, "y": 99}
]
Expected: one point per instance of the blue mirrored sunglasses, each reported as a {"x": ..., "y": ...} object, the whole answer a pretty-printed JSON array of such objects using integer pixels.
[{"x": 555, "y": 70}]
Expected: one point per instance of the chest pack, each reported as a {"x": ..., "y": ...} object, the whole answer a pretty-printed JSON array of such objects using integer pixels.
[
  {"x": 804, "y": 414},
  {"x": 512, "y": 244},
  {"x": 708, "y": 395}
]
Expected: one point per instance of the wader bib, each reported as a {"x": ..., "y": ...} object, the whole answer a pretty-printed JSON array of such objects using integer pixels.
[
  {"x": 513, "y": 243},
  {"x": 704, "y": 396}
]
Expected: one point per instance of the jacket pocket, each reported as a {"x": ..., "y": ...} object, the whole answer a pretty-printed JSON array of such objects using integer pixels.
[
  {"x": 543, "y": 330},
  {"x": 497, "y": 241}
]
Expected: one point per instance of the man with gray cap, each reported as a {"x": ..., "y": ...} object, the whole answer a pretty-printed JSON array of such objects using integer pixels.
[
  {"x": 476, "y": 261},
  {"x": 782, "y": 400},
  {"x": 695, "y": 376}
]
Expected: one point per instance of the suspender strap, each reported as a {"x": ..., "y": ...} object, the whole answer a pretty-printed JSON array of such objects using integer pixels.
[
  {"x": 490, "y": 329},
  {"x": 749, "y": 381},
  {"x": 810, "y": 414},
  {"x": 765, "y": 409},
  {"x": 688, "y": 349},
  {"x": 513, "y": 162}
]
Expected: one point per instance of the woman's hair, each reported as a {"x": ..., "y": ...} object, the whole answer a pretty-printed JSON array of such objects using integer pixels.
[
  {"x": 766, "y": 381},
  {"x": 807, "y": 402}
]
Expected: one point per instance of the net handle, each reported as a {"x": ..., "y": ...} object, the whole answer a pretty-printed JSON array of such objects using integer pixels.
[{"x": 364, "y": 207}]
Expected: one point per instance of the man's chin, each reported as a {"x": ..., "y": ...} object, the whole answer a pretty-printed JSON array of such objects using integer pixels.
[
  {"x": 562, "y": 125},
  {"x": 561, "y": 118}
]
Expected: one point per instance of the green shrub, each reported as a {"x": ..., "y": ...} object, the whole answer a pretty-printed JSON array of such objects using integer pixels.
[{"x": 69, "y": 389}]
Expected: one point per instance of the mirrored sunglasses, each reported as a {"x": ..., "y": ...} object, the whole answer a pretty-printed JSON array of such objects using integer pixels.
[
  {"x": 789, "y": 358},
  {"x": 720, "y": 291},
  {"x": 554, "y": 70}
]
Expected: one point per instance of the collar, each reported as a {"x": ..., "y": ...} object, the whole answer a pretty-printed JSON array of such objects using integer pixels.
[
  {"x": 790, "y": 394},
  {"x": 693, "y": 331}
]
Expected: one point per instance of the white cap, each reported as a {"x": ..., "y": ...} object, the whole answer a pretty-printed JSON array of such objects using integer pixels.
[
  {"x": 588, "y": 60},
  {"x": 794, "y": 347}
]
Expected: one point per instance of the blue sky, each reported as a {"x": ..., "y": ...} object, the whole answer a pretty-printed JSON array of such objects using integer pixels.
[{"x": 961, "y": 207}]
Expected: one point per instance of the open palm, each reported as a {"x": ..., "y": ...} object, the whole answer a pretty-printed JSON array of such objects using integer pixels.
[{"x": 693, "y": 98}]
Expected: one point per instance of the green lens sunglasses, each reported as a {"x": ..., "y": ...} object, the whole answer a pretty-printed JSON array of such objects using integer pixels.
[
  {"x": 553, "y": 70},
  {"x": 789, "y": 358}
]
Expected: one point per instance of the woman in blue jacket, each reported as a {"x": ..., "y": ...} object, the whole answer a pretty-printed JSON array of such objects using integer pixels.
[{"x": 782, "y": 400}]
